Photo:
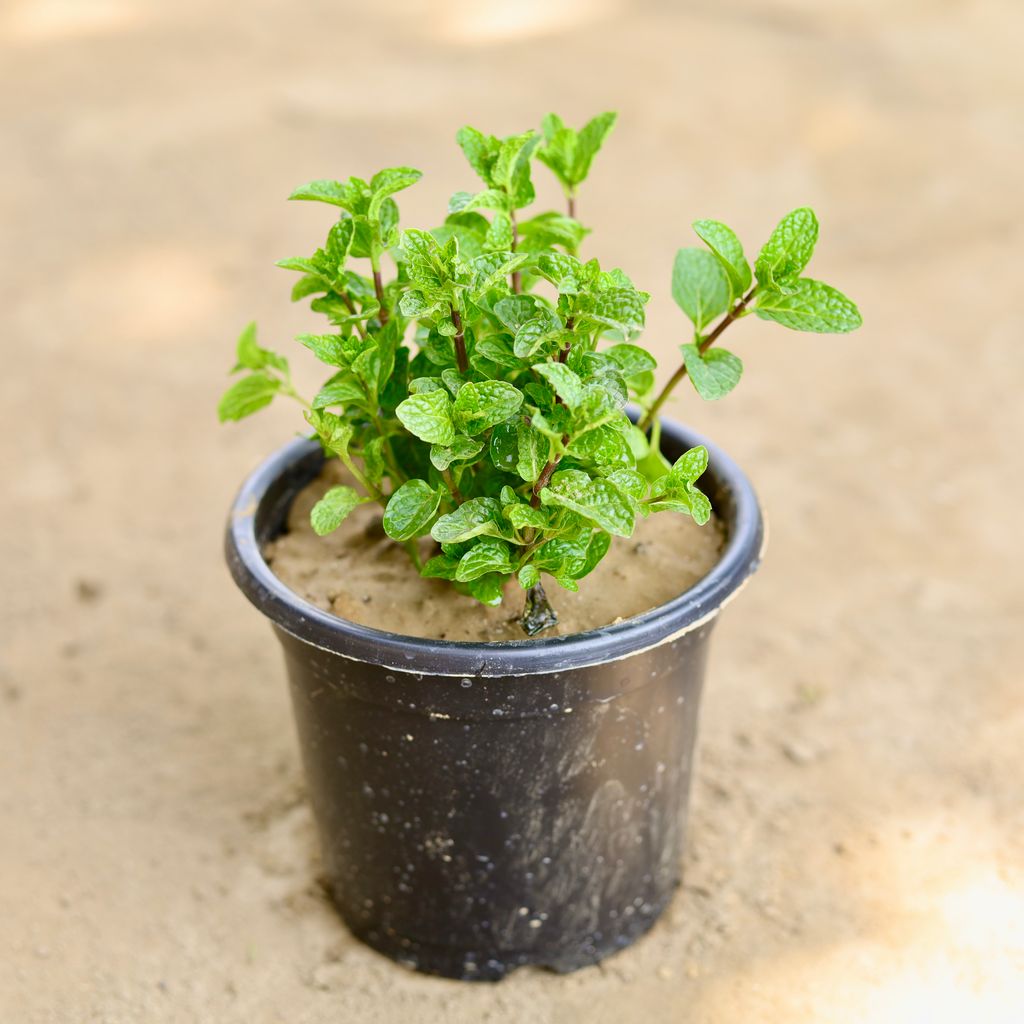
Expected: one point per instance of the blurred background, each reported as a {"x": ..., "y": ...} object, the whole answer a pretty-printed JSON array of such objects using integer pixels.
[{"x": 857, "y": 843}]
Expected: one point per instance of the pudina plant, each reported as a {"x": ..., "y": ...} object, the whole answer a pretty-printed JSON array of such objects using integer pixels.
[{"x": 479, "y": 395}]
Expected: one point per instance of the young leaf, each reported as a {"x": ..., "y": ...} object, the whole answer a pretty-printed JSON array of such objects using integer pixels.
[
  {"x": 481, "y": 151},
  {"x": 479, "y": 406},
  {"x": 428, "y": 415},
  {"x": 248, "y": 395},
  {"x": 252, "y": 357},
  {"x": 410, "y": 510},
  {"x": 700, "y": 286},
  {"x": 328, "y": 348},
  {"x": 461, "y": 449},
  {"x": 589, "y": 141},
  {"x": 488, "y": 589},
  {"x": 533, "y": 452},
  {"x": 690, "y": 466},
  {"x": 528, "y": 576},
  {"x": 333, "y": 509},
  {"x": 722, "y": 241},
  {"x": 597, "y": 500},
  {"x": 789, "y": 248},
  {"x": 488, "y": 555},
  {"x": 388, "y": 182},
  {"x": 336, "y": 193},
  {"x": 566, "y": 383},
  {"x": 810, "y": 306},
  {"x": 714, "y": 373},
  {"x": 473, "y": 518}
]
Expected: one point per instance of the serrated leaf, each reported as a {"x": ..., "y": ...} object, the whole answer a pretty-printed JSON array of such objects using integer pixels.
[
  {"x": 630, "y": 482},
  {"x": 493, "y": 267},
  {"x": 690, "y": 466},
  {"x": 440, "y": 567},
  {"x": 597, "y": 500},
  {"x": 252, "y": 356},
  {"x": 789, "y": 248},
  {"x": 480, "y": 150},
  {"x": 811, "y": 306},
  {"x": 386, "y": 183},
  {"x": 487, "y": 589},
  {"x": 533, "y": 450},
  {"x": 334, "y": 433},
  {"x": 631, "y": 359},
  {"x": 605, "y": 446},
  {"x": 410, "y": 510},
  {"x": 479, "y": 406},
  {"x": 248, "y": 395},
  {"x": 566, "y": 382},
  {"x": 688, "y": 500},
  {"x": 328, "y": 348},
  {"x": 714, "y": 373},
  {"x": 429, "y": 416},
  {"x": 343, "y": 389},
  {"x": 620, "y": 308},
  {"x": 700, "y": 286},
  {"x": 728, "y": 249},
  {"x": 488, "y": 555},
  {"x": 513, "y": 153},
  {"x": 588, "y": 142},
  {"x": 515, "y": 310},
  {"x": 528, "y": 576},
  {"x": 473, "y": 518},
  {"x": 336, "y": 193},
  {"x": 461, "y": 449},
  {"x": 535, "y": 334},
  {"x": 333, "y": 509}
]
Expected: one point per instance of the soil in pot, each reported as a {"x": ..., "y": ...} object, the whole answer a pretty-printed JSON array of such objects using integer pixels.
[{"x": 359, "y": 574}]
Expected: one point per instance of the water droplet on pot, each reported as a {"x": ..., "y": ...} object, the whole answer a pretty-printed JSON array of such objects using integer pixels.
[
  {"x": 497, "y": 712},
  {"x": 466, "y": 684},
  {"x": 389, "y": 679}
]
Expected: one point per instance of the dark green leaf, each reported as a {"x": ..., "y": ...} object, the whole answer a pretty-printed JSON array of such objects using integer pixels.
[{"x": 488, "y": 555}]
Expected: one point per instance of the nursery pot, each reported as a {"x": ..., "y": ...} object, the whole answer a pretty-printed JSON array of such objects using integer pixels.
[{"x": 484, "y": 806}]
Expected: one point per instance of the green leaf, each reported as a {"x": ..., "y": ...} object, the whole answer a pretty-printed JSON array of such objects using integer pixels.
[
  {"x": 488, "y": 589},
  {"x": 513, "y": 154},
  {"x": 688, "y": 500},
  {"x": 589, "y": 141},
  {"x": 811, "y": 306},
  {"x": 343, "y": 194},
  {"x": 722, "y": 241},
  {"x": 605, "y": 446},
  {"x": 441, "y": 567},
  {"x": 494, "y": 267},
  {"x": 333, "y": 509},
  {"x": 534, "y": 335},
  {"x": 429, "y": 416},
  {"x": 461, "y": 449},
  {"x": 700, "y": 286},
  {"x": 528, "y": 576},
  {"x": 342, "y": 389},
  {"x": 630, "y": 482},
  {"x": 621, "y": 309},
  {"x": 479, "y": 406},
  {"x": 328, "y": 348},
  {"x": 566, "y": 382},
  {"x": 488, "y": 555},
  {"x": 789, "y": 248},
  {"x": 480, "y": 150},
  {"x": 597, "y": 500},
  {"x": 251, "y": 356},
  {"x": 473, "y": 518},
  {"x": 248, "y": 395},
  {"x": 690, "y": 466},
  {"x": 631, "y": 359},
  {"x": 334, "y": 433},
  {"x": 410, "y": 510},
  {"x": 532, "y": 454},
  {"x": 714, "y": 373},
  {"x": 388, "y": 182},
  {"x": 515, "y": 310}
]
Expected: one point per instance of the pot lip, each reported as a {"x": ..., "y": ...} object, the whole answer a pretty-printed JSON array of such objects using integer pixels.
[{"x": 290, "y": 613}]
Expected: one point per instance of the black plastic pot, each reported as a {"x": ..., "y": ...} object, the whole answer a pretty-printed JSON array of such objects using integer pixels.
[{"x": 484, "y": 806}]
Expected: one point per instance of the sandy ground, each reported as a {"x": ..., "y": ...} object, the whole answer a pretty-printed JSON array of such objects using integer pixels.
[{"x": 857, "y": 844}]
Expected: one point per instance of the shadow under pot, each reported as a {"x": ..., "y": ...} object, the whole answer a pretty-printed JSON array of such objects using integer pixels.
[{"x": 485, "y": 806}]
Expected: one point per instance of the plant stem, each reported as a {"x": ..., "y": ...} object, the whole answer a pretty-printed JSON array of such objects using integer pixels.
[
  {"x": 460, "y": 342},
  {"x": 545, "y": 476},
  {"x": 703, "y": 346},
  {"x": 378, "y": 287},
  {"x": 563, "y": 353},
  {"x": 449, "y": 482},
  {"x": 351, "y": 307},
  {"x": 517, "y": 281},
  {"x": 572, "y": 203}
]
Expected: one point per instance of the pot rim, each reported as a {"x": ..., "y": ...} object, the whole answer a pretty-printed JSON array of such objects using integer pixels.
[{"x": 421, "y": 655}]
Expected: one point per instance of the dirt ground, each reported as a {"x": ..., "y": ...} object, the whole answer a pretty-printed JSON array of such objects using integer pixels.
[{"x": 856, "y": 851}]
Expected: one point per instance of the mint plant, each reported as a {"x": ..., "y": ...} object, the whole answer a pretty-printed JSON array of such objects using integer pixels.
[{"x": 479, "y": 394}]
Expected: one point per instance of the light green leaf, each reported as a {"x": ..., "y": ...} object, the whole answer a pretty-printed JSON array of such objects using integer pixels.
[
  {"x": 689, "y": 467},
  {"x": 528, "y": 576},
  {"x": 589, "y": 141},
  {"x": 605, "y": 446},
  {"x": 811, "y": 306},
  {"x": 480, "y": 150},
  {"x": 343, "y": 389},
  {"x": 410, "y": 510},
  {"x": 386, "y": 183},
  {"x": 251, "y": 356},
  {"x": 488, "y": 589},
  {"x": 631, "y": 359},
  {"x": 597, "y": 500},
  {"x": 714, "y": 373},
  {"x": 461, "y": 449},
  {"x": 534, "y": 335},
  {"x": 429, "y": 416},
  {"x": 566, "y": 382},
  {"x": 248, "y": 395},
  {"x": 488, "y": 555},
  {"x": 479, "y": 406},
  {"x": 328, "y": 348},
  {"x": 333, "y": 509},
  {"x": 473, "y": 518},
  {"x": 621, "y": 309},
  {"x": 533, "y": 453},
  {"x": 700, "y": 286},
  {"x": 337, "y": 193},
  {"x": 789, "y": 248},
  {"x": 722, "y": 241},
  {"x": 334, "y": 433}
]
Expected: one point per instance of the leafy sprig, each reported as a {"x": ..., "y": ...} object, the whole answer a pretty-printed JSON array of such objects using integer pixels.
[{"x": 479, "y": 394}]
